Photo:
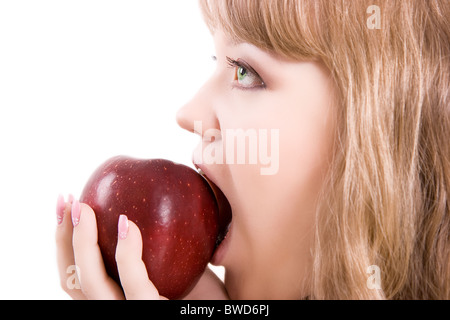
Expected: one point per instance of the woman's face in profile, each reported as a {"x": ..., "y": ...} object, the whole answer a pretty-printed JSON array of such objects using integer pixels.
[{"x": 267, "y": 126}]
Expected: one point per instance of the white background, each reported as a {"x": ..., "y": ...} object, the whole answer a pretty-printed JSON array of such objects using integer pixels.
[{"x": 82, "y": 81}]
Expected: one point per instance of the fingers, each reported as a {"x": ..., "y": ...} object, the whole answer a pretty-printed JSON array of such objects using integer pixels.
[
  {"x": 94, "y": 281},
  {"x": 132, "y": 270},
  {"x": 64, "y": 250},
  {"x": 80, "y": 264}
]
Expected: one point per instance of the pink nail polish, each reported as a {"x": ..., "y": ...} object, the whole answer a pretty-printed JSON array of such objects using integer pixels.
[
  {"x": 76, "y": 212},
  {"x": 60, "y": 206},
  {"x": 123, "y": 227},
  {"x": 70, "y": 199}
]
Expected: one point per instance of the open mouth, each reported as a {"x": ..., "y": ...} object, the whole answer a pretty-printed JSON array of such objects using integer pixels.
[{"x": 225, "y": 212}]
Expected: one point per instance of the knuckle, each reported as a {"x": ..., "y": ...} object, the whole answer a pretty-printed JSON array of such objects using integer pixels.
[
  {"x": 125, "y": 261},
  {"x": 63, "y": 285},
  {"x": 120, "y": 257},
  {"x": 70, "y": 282},
  {"x": 60, "y": 237},
  {"x": 87, "y": 292},
  {"x": 72, "y": 292}
]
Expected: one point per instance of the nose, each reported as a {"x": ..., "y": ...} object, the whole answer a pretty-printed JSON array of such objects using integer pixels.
[{"x": 199, "y": 108}]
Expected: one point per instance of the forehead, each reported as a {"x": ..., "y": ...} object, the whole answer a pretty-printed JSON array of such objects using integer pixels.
[{"x": 225, "y": 43}]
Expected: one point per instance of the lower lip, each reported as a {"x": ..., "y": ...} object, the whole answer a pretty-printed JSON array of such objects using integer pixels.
[{"x": 222, "y": 249}]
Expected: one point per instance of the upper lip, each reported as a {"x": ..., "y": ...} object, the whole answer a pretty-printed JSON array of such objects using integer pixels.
[{"x": 205, "y": 172}]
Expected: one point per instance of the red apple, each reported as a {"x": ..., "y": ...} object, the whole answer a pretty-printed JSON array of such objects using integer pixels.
[{"x": 175, "y": 209}]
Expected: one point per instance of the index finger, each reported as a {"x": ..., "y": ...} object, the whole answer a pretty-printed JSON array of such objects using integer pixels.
[
  {"x": 95, "y": 282},
  {"x": 64, "y": 250}
]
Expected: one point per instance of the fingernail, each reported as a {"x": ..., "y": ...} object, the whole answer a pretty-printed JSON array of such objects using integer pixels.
[
  {"x": 70, "y": 199},
  {"x": 76, "y": 212},
  {"x": 123, "y": 227},
  {"x": 60, "y": 206}
]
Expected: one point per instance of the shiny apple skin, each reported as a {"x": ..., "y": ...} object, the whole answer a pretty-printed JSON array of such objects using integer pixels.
[{"x": 174, "y": 208}]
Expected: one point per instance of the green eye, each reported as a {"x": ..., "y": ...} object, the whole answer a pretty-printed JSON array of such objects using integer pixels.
[
  {"x": 241, "y": 74},
  {"x": 245, "y": 76}
]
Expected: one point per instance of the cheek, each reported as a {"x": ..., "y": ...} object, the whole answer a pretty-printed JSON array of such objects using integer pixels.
[
  {"x": 291, "y": 151},
  {"x": 283, "y": 203},
  {"x": 306, "y": 139},
  {"x": 304, "y": 154}
]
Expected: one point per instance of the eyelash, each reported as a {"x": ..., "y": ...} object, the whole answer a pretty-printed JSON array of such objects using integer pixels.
[{"x": 242, "y": 64}]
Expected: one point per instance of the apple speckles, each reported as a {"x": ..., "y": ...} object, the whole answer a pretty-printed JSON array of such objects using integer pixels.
[{"x": 178, "y": 238}]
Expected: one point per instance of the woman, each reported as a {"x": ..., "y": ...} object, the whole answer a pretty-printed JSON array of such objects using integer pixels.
[{"x": 358, "y": 208}]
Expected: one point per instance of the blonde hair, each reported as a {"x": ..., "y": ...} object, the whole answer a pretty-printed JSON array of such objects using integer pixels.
[{"x": 387, "y": 203}]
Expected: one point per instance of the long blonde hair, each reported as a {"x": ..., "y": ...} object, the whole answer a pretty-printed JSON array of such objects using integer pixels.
[{"x": 387, "y": 201}]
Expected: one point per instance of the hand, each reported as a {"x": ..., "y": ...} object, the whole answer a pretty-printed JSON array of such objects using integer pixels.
[{"x": 81, "y": 268}]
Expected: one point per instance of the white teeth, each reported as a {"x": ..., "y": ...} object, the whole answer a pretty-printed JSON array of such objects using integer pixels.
[
  {"x": 227, "y": 230},
  {"x": 200, "y": 171}
]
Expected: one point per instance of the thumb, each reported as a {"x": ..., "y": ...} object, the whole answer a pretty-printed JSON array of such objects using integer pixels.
[{"x": 132, "y": 270}]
